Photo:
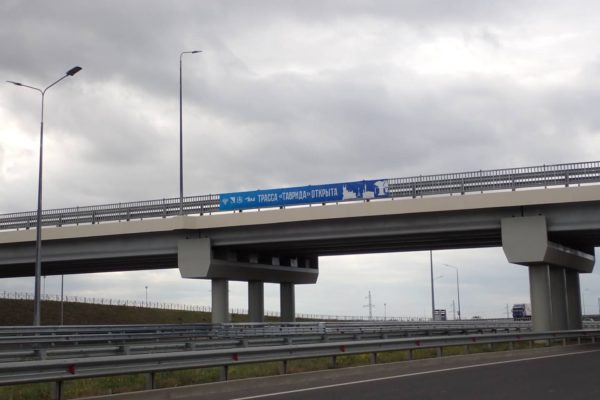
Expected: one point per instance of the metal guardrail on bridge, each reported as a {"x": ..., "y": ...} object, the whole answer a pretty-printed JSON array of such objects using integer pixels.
[{"x": 416, "y": 186}]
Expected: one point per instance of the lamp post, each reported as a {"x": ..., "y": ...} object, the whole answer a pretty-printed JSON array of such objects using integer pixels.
[
  {"x": 181, "y": 128},
  {"x": 432, "y": 289},
  {"x": 457, "y": 286},
  {"x": 38, "y": 226},
  {"x": 62, "y": 303},
  {"x": 146, "y": 296}
]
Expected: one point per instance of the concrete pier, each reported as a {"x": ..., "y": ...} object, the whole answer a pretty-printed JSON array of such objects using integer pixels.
[
  {"x": 220, "y": 301},
  {"x": 256, "y": 301},
  {"x": 287, "y": 296},
  {"x": 553, "y": 272}
]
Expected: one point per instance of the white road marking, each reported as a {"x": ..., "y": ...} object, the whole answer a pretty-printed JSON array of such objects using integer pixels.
[{"x": 386, "y": 378}]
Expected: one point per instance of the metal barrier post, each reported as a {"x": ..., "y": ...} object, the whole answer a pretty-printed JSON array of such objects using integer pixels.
[
  {"x": 150, "y": 381},
  {"x": 284, "y": 370},
  {"x": 373, "y": 358},
  {"x": 224, "y": 373},
  {"x": 56, "y": 389}
]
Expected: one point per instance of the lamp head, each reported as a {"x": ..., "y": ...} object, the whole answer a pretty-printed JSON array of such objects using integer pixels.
[
  {"x": 196, "y": 51},
  {"x": 73, "y": 71},
  {"x": 15, "y": 83}
]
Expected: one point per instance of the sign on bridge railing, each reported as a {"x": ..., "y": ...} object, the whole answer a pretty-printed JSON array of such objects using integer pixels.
[{"x": 329, "y": 193}]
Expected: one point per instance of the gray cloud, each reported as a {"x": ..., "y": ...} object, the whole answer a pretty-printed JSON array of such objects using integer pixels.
[{"x": 292, "y": 93}]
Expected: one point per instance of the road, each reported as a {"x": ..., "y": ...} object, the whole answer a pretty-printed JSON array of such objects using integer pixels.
[{"x": 544, "y": 374}]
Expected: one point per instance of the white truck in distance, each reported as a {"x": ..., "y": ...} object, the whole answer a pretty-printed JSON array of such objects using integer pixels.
[{"x": 521, "y": 312}]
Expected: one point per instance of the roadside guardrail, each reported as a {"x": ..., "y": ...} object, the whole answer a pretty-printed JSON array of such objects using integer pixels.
[
  {"x": 52, "y": 342},
  {"x": 23, "y": 372}
]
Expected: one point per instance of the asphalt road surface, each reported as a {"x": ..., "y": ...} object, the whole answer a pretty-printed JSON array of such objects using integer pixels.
[{"x": 552, "y": 373}]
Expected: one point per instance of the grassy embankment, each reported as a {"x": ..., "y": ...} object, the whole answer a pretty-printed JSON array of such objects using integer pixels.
[{"x": 20, "y": 312}]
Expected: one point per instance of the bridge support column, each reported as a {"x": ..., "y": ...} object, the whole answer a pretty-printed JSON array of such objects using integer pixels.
[
  {"x": 256, "y": 301},
  {"x": 573, "y": 299},
  {"x": 547, "y": 286},
  {"x": 287, "y": 297},
  {"x": 220, "y": 301},
  {"x": 553, "y": 272}
]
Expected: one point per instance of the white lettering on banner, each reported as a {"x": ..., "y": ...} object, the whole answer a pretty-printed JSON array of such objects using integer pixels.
[
  {"x": 319, "y": 193},
  {"x": 297, "y": 195},
  {"x": 267, "y": 197}
]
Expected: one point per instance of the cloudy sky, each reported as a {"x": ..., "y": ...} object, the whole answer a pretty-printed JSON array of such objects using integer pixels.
[{"x": 290, "y": 93}]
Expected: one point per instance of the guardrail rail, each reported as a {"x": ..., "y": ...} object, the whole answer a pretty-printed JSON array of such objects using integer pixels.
[{"x": 60, "y": 370}]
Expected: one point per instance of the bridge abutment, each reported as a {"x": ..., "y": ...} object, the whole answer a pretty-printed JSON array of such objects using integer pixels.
[{"x": 553, "y": 272}]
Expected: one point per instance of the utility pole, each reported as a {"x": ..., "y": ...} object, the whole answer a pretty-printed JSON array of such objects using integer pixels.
[{"x": 370, "y": 306}]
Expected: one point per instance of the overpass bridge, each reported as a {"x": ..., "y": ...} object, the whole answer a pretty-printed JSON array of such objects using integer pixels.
[{"x": 546, "y": 218}]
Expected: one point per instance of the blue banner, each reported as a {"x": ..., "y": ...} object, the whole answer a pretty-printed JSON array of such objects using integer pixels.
[{"x": 329, "y": 193}]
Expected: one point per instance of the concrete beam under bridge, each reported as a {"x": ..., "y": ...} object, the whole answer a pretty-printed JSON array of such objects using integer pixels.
[
  {"x": 197, "y": 259},
  {"x": 553, "y": 272}
]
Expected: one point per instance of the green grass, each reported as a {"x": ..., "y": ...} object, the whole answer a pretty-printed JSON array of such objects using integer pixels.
[{"x": 20, "y": 312}]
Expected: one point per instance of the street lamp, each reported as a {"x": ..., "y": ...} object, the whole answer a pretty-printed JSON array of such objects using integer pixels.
[
  {"x": 181, "y": 128},
  {"x": 38, "y": 226},
  {"x": 146, "y": 296},
  {"x": 457, "y": 285},
  {"x": 62, "y": 302},
  {"x": 432, "y": 288}
]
